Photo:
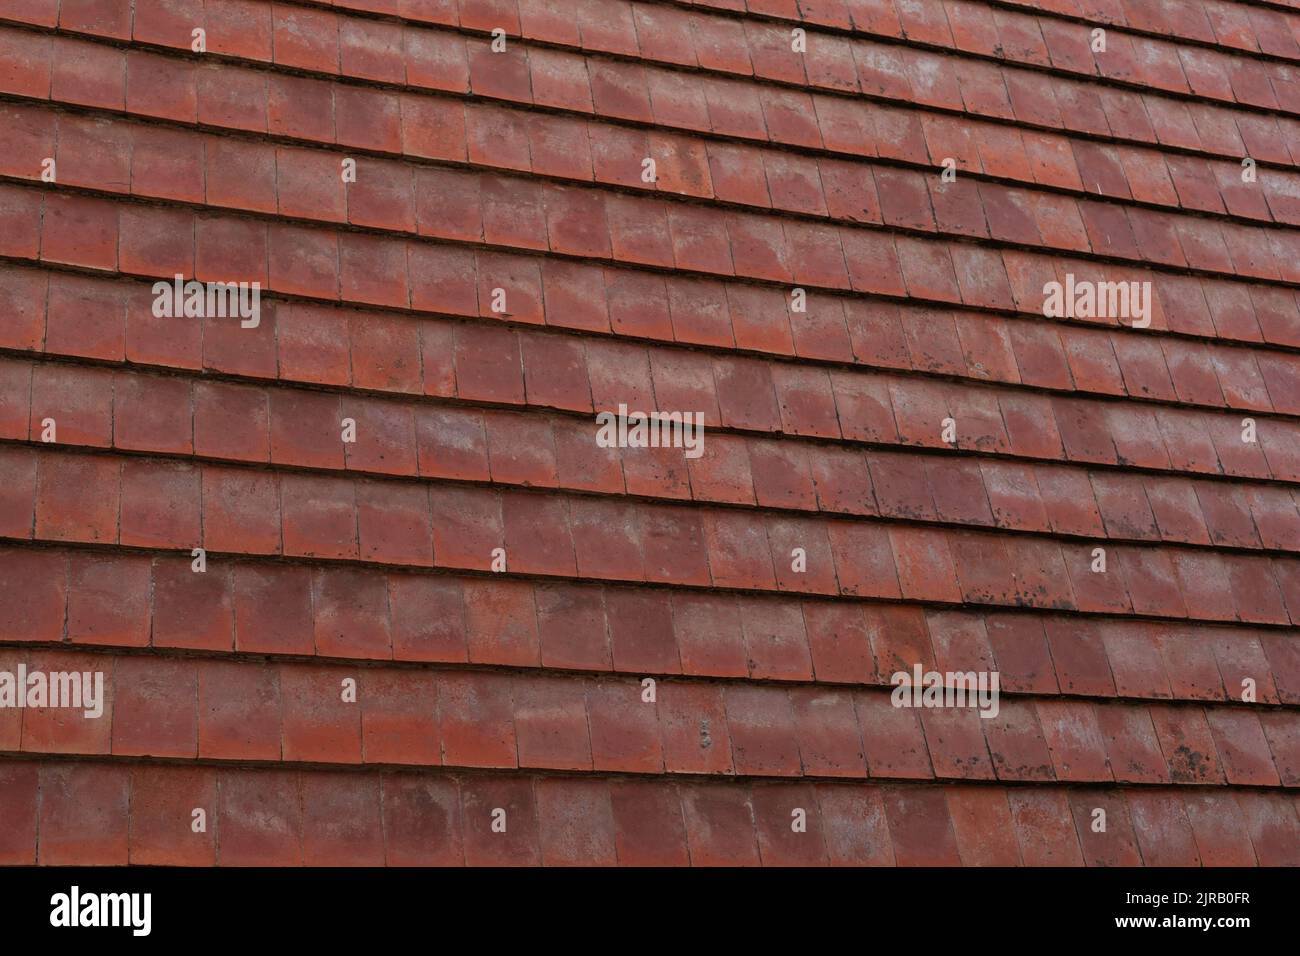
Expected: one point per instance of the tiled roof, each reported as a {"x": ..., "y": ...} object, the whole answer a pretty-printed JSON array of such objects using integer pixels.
[{"x": 365, "y": 589}]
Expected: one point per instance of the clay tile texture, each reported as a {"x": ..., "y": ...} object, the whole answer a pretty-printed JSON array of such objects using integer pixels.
[{"x": 641, "y": 432}]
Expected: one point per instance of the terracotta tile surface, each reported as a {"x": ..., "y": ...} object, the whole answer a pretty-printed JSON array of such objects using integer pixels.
[{"x": 988, "y": 312}]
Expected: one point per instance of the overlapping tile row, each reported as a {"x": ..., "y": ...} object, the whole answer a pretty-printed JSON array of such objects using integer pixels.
[
  {"x": 306, "y": 345},
  {"x": 95, "y": 599},
  {"x": 369, "y": 349},
  {"x": 1240, "y": 27},
  {"x": 963, "y": 208},
  {"x": 297, "y": 713},
  {"x": 389, "y": 269},
  {"x": 360, "y": 583},
  {"x": 567, "y": 535},
  {"x": 482, "y": 364},
  {"x": 766, "y": 176},
  {"x": 753, "y": 247},
  {"x": 311, "y": 36},
  {"x": 133, "y": 411},
  {"x": 617, "y": 90},
  {"x": 321, "y": 818},
  {"x": 1020, "y": 273},
  {"x": 1173, "y": 45},
  {"x": 728, "y": 108}
]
